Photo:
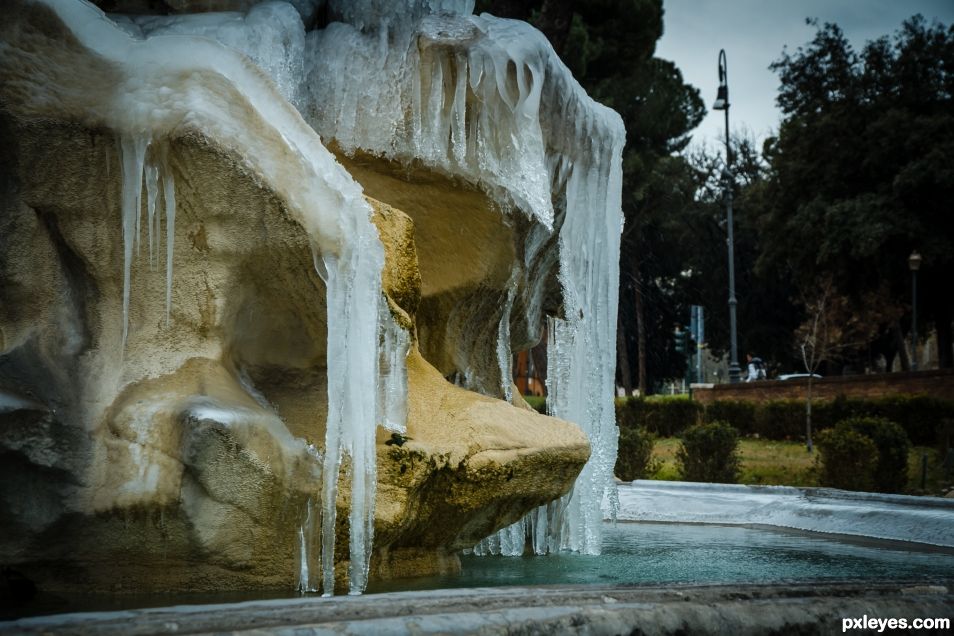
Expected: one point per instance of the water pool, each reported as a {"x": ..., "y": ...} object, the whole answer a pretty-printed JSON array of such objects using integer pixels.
[
  {"x": 640, "y": 553},
  {"x": 634, "y": 553}
]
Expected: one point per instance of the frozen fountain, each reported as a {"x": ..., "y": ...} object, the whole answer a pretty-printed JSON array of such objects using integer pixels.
[{"x": 244, "y": 263}]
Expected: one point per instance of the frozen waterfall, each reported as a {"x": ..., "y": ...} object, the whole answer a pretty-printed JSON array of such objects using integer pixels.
[
  {"x": 477, "y": 98},
  {"x": 488, "y": 100},
  {"x": 166, "y": 77}
]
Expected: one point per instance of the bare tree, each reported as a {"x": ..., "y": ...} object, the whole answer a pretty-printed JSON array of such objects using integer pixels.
[
  {"x": 837, "y": 325},
  {"x": 814, "y": 343}
]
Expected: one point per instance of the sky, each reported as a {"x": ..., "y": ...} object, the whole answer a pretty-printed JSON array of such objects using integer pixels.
[{"x": 753, "y": 34}]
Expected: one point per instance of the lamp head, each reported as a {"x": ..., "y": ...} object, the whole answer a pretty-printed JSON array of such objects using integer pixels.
[
  {"x": 914, "y": 261},
  {"x": 722, "y": 98}
]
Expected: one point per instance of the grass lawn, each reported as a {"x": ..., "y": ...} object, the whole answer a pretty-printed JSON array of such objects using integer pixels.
[{"x": 789, "y": 464}]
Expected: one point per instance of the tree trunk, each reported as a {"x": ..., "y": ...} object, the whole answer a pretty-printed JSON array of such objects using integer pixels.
[
  {"x": 808, "y": 415},
  {"x": 622, "y": 356},
  {"x": 945, "y": 352},
  {"x": 640, "y": 330},
  {"x": 902, "y": 347}
]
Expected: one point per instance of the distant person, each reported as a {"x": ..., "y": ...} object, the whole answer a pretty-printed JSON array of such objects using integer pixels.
[{"x": 756, "y": 368}]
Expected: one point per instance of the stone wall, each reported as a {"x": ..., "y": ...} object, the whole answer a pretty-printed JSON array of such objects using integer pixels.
[{"x": 938, "y": 383}]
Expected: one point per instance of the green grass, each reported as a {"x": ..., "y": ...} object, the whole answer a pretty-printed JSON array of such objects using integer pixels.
[
  {"x": 789, "y": 464},
  {"x": 538, "y": 402}
]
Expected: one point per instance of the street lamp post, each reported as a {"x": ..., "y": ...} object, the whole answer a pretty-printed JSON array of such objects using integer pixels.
[
  {"x": 914, "y": 264},
  {"x": 722, "y": 103}
]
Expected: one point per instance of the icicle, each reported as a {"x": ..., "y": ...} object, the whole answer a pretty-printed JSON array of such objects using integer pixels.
[
  {"x": 152, "y": 190},
  {"x": 169, "y": 196},
  {"x": 133, "y": 152},
  {"x": 136, "y": 171},
  {"x": 504, "y": 355},
  {"x": 394, "y": 344},
  {"x": 305, "y": 533},
  {"x": 353, "y": 293}
]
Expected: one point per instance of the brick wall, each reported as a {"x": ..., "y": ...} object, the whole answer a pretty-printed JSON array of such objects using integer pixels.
[{"x": 935, "y": 383}]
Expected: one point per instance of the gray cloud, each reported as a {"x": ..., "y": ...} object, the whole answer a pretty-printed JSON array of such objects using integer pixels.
[{"x": 753, "y": 33}]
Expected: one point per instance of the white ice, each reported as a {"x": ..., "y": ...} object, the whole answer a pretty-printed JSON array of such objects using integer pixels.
[
  {"x": 487, "y": 100},
  {"x": 151, "y": 90},
  {"x": 897, "y": 517}
]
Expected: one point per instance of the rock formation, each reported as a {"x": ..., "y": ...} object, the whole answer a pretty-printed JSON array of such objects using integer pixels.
[{"x": 196, "y": 331}]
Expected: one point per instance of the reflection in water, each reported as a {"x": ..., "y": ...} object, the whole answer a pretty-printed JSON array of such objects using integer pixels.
[
  {"x": 645, "y": 553},
  {"x": 633, "y": 553}
]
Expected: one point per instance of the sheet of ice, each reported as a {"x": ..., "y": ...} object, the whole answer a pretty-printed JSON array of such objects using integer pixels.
[
  {"x": 459, "y": 93},
  {"x": 271, "y": 34},
  {"x": 903, "y": 518},
  {"x": 487, "y": 100}
]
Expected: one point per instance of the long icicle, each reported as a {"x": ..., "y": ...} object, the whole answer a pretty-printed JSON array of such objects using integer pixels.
[
  {"x": 133, "y": 151},
  {"x": 169, "y": 195}
]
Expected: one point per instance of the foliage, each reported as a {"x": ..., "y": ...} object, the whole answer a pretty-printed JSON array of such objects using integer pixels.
[
  {"x": 537, "y": 402},
  {"x": 665, "y": 417},
  {"x": 891, "y": 471},
  {"x": 920, "y": 416},
  {"x": 787, "y": 463},
  {"x": 859, "y": 175},
  {"x": 847, "y": 459},
  {"x": 635, "y": 457},
  {"x": 739, "y": 413},
  {"x": 709, "y": 453},
  {"x": 609, "y": 46}
]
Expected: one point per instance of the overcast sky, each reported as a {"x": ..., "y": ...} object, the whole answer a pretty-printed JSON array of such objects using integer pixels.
[{"x": 753, "y": 32}]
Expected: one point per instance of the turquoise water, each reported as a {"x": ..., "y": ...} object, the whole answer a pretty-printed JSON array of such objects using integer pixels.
[
  {"x": 633, "y": 554},
  {"x": 645, "y": 553}
]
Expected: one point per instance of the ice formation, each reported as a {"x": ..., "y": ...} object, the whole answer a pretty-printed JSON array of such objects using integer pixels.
[
  {"x": 158, "y": 84},
  {"x": 487, "y": 100},
  {"x": 474, "y": 97},
  {"x": 271, "y": 34},
  {"x": 139, "y": 165},
  {"x": 875, "y": 515},
  {"x": 393, "y": 346}
]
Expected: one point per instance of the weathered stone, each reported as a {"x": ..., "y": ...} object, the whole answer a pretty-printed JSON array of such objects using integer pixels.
[{"x": 181, "y": 462}]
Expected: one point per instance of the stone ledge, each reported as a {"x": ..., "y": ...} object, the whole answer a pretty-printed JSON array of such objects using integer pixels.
[{"x": 717, "y": 609}]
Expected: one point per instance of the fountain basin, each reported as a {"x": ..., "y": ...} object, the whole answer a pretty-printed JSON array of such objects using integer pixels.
[
  {"x": 802, "y": 608},
  {"x": 928, "y": 520}
]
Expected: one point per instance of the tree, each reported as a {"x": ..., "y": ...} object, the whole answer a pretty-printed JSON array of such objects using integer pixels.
[
  {"x": 861, "y": 174},
  {"x": 609, "y": 45}
]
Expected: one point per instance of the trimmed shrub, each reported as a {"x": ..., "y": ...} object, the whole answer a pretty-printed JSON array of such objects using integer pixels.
[
  {"x": 709, "y": 453},
  {"x": 920, "y": 416},
  {"x": 847, "y": 459},
  {"x": 635, "y": 457},
  {"x": 740, "y": 414},
  {"x": 891, "y": 471}
]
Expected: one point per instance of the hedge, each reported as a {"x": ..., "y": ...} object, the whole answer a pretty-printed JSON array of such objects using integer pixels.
[
  {"x": 922, "y": 417},
  {"x": 663, "y": 417}
]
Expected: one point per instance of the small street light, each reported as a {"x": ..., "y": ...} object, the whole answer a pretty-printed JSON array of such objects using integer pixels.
[
  {"x": 914, "y": 264},
  {"x": 722, "y": 103}
]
